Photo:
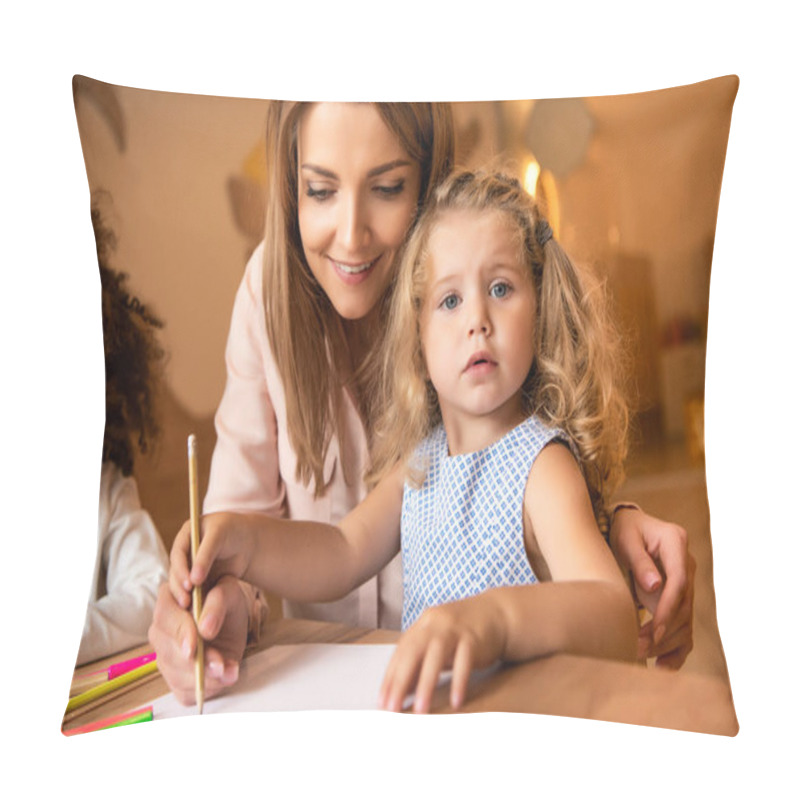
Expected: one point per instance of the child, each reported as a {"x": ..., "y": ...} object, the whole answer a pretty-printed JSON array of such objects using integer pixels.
[
  {"x": 131, "y": 558},
  {"x": 501, "y": 448}
]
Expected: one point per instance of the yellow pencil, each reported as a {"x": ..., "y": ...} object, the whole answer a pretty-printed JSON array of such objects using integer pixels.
[
  {"x": 197, "y": 595},
  {"x": 109, "y": 686}
]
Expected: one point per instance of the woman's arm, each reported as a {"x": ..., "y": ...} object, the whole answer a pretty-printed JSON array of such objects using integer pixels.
[
  {"x": 245, "y": 474},
  {"x": 647, "y": 547},
  {"x": 586, "y": 609},
  {"x": 302, "y": 561}
]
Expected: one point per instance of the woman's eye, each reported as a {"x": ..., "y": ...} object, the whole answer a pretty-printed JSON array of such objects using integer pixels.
[
  {"x": 318, "y": 194},
  {"x": 391, "y": 190},
  {"x": 450, "y": 302},
  {"x": 500, "y": 290}
]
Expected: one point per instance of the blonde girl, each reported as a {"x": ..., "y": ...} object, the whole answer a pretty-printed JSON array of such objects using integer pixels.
[
  {"x": 502, "y": 437},
  {"x": 296, "y": 424}
]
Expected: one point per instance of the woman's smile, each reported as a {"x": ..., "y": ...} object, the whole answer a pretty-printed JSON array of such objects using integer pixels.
[
  {"x": 357, "y": 196},
  {"x": 353, "y": 273}
]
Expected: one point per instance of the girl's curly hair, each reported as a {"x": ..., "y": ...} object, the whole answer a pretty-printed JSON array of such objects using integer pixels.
[
  {"x": 576, "y": 380},
  {"x": 133, "y": 360}
]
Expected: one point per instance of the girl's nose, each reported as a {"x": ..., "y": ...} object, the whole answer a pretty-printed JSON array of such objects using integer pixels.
[
  {"x": 353, "y": 224},
  {"x": 479, "y": 322}
]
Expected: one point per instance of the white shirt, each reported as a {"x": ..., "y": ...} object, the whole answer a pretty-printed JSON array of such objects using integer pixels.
[{"x": 131, "y": 563}]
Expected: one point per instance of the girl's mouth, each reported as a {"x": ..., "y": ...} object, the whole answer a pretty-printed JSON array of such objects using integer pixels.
[{"x": 480, "y": 362}]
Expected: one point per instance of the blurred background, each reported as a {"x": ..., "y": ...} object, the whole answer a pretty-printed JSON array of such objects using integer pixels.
[{"x": 631, "y": 186}]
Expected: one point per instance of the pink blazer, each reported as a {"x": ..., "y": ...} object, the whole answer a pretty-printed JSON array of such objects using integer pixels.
[{"x": 253, "y": 464}]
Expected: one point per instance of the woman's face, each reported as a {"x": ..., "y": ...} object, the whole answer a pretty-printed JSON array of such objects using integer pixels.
[{"x": 357, "y": 195}]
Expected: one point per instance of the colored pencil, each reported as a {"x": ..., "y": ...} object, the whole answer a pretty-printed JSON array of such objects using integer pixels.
[
  {"x": 121, "y": 667},
  {"x": 88, "y": 680},
  {"x": 128, "y": 718},
  {"x": 197, "y": 594},
  {"x": 82, "y": 683},
  {"x": 109, "y": 686}
]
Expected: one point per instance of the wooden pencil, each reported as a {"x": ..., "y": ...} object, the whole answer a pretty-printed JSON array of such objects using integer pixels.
[{"x": 197, "y": 595}]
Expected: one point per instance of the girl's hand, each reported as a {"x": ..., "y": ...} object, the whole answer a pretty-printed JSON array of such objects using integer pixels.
[
  {"x": 226, "y": 548},
  {"x": 657, "y": 555},
  {"x": 459, "y": 636},
  {"x": 223, "y": 625}
]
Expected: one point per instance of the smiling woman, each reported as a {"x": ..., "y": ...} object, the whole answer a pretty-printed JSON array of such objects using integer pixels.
[{"x": 358, "y": 192}]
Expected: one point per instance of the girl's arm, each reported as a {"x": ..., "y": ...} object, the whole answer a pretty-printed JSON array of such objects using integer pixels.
[
  {"x": 586, "y": 609},
  {"x": 302, "y": 561}
]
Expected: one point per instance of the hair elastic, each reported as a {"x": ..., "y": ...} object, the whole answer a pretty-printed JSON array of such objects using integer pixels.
[{"x": 544, "y": 232}]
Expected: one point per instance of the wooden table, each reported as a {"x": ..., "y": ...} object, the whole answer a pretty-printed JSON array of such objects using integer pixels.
[{"x": 561, "y": 685}]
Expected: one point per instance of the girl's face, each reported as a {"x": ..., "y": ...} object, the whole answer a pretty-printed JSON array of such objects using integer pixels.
[
  {"x": 477, "y": 325},
  {"x": 357, "y": 195}
]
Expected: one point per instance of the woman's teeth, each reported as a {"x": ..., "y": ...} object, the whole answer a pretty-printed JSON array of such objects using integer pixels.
[{"x": 353, "y": 269}]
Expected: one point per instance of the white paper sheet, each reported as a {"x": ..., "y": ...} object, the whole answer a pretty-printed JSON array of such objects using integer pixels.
[{"x": 301, "y": 677}]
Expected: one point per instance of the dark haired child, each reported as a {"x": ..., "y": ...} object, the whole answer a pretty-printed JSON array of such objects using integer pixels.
[{"x": 131, "y": 558}]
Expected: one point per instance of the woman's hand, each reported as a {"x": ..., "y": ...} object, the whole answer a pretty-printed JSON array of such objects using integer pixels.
[
  {"x": 459, "y": 636},
  {"x": 223, "y": 625},
  {"x": 226, "y": 548},
  {"x": 657, "y": 555}
]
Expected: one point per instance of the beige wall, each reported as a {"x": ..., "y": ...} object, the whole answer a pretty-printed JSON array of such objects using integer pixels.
[
  {"x": 173, "y": 219},
  {"x": 641, "y": 207}
]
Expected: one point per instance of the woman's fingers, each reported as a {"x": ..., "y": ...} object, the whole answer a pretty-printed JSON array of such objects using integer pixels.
[
  {"x": 646, "y": 575},
  {"x": 672, "y": 650},
  {"x": 173, "y": 636},
  {"x": 678, "y": 566},
  {"x": 674, "y": 659}
]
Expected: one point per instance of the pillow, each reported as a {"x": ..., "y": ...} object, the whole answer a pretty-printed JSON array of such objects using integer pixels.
[{"x": 631, "y": 185}]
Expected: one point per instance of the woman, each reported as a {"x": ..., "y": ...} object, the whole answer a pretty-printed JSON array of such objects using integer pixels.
[{"x": 294, "y": 424}]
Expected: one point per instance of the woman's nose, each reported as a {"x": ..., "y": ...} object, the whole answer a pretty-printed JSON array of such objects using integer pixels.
[{"x": 353, "y": 224}]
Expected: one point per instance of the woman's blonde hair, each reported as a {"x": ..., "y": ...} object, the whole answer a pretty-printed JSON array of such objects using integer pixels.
[
  {"x": 574, "y": 381},
  {"x": 305, "y": 332}
]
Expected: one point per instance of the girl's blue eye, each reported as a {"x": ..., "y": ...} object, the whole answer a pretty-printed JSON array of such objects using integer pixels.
[
  {"x": 500, "y": 290},
  {"x": 450, "y": 302}
]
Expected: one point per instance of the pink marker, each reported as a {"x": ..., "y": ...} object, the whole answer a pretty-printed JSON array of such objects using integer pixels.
[{"x": 115, "y": 670}]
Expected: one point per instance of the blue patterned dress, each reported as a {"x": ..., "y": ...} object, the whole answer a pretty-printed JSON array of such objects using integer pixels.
[{"x": 461, "y": 531}]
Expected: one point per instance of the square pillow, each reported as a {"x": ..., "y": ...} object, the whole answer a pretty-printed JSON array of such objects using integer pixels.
[{"x": 631, "y": 185}]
